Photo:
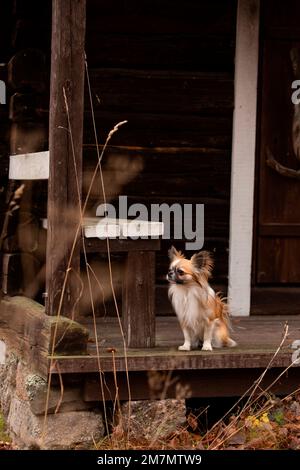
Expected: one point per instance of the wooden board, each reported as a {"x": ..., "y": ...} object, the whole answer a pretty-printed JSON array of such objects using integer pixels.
[
  {"x": 282, "y": 18},
  {"x": 185, "y": 51},
  {"x": 138, "y": 299},
  {"x": 29, "y": 332},
  {"x": 162, "y": 91},
  {"x": 189, "y": 383},
  {"x": 65, "y": 177},
  {"x": 23, "y": 329},
  {"x": 257, "y": 337},
  {"x": 29, "y": 166},
  {"x": 161, "y": 129},
  {"x": 282, "y": 300},
  {"x": 278, "y": 234},
  {"x": 142, "y": 17}
]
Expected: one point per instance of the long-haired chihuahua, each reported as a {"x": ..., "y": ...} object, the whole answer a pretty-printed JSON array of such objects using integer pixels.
[{"x": 202, "y": 313}]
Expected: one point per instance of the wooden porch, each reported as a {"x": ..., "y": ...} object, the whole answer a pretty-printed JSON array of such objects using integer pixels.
[
  {"x": 153, "y": 372},
  {"x": 258, "y": 338},
  {"x": 26, "y": 327}
]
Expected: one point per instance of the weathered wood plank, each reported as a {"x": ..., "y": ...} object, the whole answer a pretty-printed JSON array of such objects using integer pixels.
[
  {"x": 138, "y": 299},
  {"x": 162, "y": 130},
  {"x": 64, "y": 189},
  {"x": 171, "y": 359},
  {"x": 29, "y": 166},
  {"x": 281, "y": 22},
  {"x": 29, "y": 332},
  {"x": 279, "y": 230},
  {"x": 120, "y": 246},
  {"x": 195, "y": 383},
  {"x": 142, "y": 18},
  {"x": 273, "y": 301},
  {"x": 23, "y": 328},
  {"x": 277, "y": 262},
  {"x": 152, "y": 91},
  {"x": 258, "y": 338},
  {"x": 149, "y": 160},
  {"x": 185, "y": 51},
  {"x": 175, "y": 184}
]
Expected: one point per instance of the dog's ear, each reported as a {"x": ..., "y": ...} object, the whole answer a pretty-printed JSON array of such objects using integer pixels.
[
  {"x": 173, "y": 253},
  {"x": 203, "y": 262}
]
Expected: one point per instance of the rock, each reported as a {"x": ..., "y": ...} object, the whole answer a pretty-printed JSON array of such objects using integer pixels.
[
  {"x": 153, "y": 419},
  {"x": 63, "y": 430},
  {"x": 7, "y": 382},
  {"x": 34, "y": 388}
]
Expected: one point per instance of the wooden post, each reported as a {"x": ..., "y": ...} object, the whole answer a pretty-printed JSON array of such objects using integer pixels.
[
  {"x": 243, "y": 156},
  {"x": 67, "y": 73},
  {"x": 138, "y": 299}
]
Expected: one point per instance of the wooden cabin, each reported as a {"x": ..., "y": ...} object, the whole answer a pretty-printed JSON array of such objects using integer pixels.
[{"x": 206, "y": 89}]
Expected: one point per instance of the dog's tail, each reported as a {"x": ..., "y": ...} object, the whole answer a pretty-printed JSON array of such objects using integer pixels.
[{"x": 222, "y": 310}]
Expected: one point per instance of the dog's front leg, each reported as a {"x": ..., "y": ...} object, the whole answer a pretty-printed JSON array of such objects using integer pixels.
[
  {"x": 187, "y": 345},
  {"x": 208, "y": 335}
]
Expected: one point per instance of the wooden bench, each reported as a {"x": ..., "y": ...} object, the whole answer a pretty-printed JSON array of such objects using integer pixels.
[{"x": 138, "y": 286}]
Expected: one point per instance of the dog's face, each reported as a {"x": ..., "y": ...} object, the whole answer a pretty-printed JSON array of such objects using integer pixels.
[{"x": 186, "y": 271}]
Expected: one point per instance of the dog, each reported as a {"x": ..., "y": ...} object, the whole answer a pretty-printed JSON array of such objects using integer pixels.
[{"x": 202, "y": 313}]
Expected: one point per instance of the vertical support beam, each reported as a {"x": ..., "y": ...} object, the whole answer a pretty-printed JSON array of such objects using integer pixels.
[
  {"x": 138, "y": 299},
  {"x": 67, "y": 72},
  {"x": 243, "y": 156}
]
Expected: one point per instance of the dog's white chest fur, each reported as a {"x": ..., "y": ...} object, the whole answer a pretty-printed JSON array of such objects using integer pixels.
[{"x": 190, "y": 305}]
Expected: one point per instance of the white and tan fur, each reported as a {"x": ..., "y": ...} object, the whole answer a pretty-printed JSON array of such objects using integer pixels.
[{"x": 202, "y": 313}]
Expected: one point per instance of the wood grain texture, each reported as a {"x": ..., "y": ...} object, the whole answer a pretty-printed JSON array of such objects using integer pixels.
[
  {"x": 258, "y": 338},
  {"x": 23, "y": 327},
  {"x": 185, "y": 51},
  {"x": 67, "y": 72},
  {"x": 163, "y": 91},
  {"x": 138, "y": 299},
  {"x": 195, "y": 383},
  {"x": 162, "y": 129},
  {"x": 143, "y": 18},
  {"x": 96, "y": 245},
  {"x": 283, "y": 300},
  {"x": 278, "y": 234},
  {"x": 29, "y": 332}
]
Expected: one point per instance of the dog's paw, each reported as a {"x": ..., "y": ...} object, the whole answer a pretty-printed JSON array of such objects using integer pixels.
[
  {"x": 207, "y": 347},
  {"x": 231, "y": 343},
  {"x": 184, "y": 347}
]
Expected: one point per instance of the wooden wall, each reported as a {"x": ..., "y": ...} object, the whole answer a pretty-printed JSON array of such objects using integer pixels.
[
  {"x": 166, "y": 67},
  {"x": 24, "y": 57}
]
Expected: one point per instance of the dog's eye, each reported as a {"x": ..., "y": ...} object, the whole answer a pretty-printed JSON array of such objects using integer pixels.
[{"x": 180, "y": 272}]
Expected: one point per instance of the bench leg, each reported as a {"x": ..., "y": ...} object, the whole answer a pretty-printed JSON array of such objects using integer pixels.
[{"x": 138, "y": 299}]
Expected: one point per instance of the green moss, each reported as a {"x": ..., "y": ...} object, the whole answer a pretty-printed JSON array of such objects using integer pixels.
[{"x": 3, "y": 436}]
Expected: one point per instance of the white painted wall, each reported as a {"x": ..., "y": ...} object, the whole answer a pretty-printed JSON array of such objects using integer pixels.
[{"x": 243, "y": 157}]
